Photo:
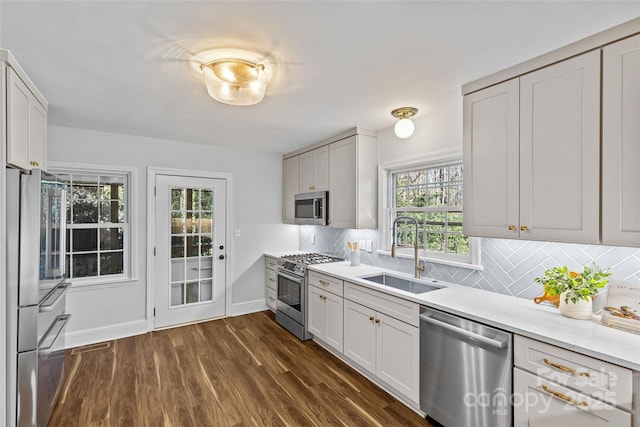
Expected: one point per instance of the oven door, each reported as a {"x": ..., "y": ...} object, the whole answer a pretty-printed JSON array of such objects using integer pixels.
[{"x": 291, "y": 296}]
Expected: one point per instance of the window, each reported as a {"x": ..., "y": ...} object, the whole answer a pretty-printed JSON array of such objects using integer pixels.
[
  {"x": 431, "y": 194},
  {"x": 98, "y": 232}
]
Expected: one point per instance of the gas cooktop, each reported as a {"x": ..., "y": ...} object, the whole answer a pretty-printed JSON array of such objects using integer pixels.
[{"x": 297, "y": 263}]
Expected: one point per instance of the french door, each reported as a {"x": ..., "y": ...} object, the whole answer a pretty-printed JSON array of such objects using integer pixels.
[{"x": 190, "y": 270}]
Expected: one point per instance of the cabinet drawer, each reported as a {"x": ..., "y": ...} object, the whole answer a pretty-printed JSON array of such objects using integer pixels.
[
  {"x": 270, "y": 298},
  {"x": 271, "y": 279},
  {"x": 270, "y": 262},
  {"x": 395, "y": 307},
  {"x": 593, "y": 377},
  {"x": 545, "y": 403},
  {"x": 328, "y": 283}
]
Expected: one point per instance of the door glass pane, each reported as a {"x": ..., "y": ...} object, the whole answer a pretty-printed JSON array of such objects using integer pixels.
[{"x": 191, "y": 246}]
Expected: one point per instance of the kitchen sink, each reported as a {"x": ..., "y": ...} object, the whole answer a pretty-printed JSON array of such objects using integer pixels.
[{"x": 401, "y": 283}]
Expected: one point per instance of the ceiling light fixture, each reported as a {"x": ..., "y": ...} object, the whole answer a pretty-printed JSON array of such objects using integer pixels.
[
  {"x": 404, "y": 127},
  {"x": 235, "y": 81}
]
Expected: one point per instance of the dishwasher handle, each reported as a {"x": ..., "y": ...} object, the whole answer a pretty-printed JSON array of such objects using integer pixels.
[{"x": 464, "y": 332}]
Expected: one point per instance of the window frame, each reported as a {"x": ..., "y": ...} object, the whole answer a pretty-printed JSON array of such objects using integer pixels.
[
  {"x": 128, "y": 257},
  {"x": 386, "y": 194}
]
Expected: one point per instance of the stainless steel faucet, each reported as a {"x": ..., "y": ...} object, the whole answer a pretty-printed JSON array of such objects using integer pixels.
[{"x": 418, "y": 268}]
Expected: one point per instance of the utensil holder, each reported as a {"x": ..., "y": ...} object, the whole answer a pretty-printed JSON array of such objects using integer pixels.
[{"x": 354, "y": 257}]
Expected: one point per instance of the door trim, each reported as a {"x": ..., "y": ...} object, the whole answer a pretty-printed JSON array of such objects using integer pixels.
[{"x": 152, "y": 173}]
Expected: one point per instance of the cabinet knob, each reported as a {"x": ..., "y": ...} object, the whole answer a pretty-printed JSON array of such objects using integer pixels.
[
  {"x": 377, "y": 320},
  {"x": 512, "y": 228},
  {"x": 371, "y": 317},
  {"x": 523, "y": 228}
]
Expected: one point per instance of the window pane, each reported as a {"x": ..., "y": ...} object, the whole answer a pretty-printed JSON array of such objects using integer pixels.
[
  {"x": 111, "y": 239},
  {"x": 85, "y": 240},
  {"x": 193, "y": 246},
  {"x": 85, "y": 211},
  {"x": 205, "y": 248},
  {"x": 192, "y": 292},
  {"x": 177, "y": 294},
  {"x": 85, "y": 265},
  {"x": 193, "y": 222},
  {"x": 111, "y": 263},
  {"x": 177, "y": 222},
  {"x": 458, "y": 244},
  {"x": 205, "y": 222},
  {"x": 435, "y": 242},
  {"x": 207, "y": 200},
  {"x": 177, "y": 247},
  {"x": 177, "y": 199},
  {"x": 193, "y": 199},
  {"x": 111, "y": 211},
  {"x": 206, "y": 290}
]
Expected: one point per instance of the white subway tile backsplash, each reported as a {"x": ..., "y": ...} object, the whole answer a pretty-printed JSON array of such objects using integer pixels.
[{"x": 509, "y": 265}]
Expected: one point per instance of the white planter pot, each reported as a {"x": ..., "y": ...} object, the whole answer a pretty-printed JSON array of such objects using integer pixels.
[{"x": 578, "y": 310}]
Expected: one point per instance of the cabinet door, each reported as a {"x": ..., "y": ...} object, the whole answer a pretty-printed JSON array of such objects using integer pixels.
[
  {"x": 342, "y": 183},
  {"x": 397, "y": 355},
  {"x": 560, "y": 151},
  {"x": 316, "y": 315},
  {"x": 491, "y": 156},
  {"x": 360, "y": 335},
  {"x": 535, "y": 405},
  {"x": 314, "y": 170},
  {"x": 334, "y": 321},
  {"x": 290, "y": 179},
  {"x": 37, "y": 133},
  {"x": 17, "y": 121},
  {"x": 620, "y": 147}
]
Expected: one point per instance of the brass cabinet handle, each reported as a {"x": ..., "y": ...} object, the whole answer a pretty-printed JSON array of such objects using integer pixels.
[
  {"x": 323, "y": 282},
  {"x": 523, "y": 228},
  {"x": 564, "y": 397},
  {"x": 512, "y": 228},
  {"x": 371, "y": 317},
  {"x": 565, "y": 369},
  {"x": 377, "y": 320},
  {"x": 312, "y": 187}
]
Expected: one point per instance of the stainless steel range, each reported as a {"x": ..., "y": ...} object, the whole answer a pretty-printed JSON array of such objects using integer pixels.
[{"x": 291, "y": 305}]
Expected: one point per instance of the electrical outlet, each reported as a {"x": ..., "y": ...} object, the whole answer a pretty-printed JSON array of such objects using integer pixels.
[
  {"x": 362, "y": 244},
  {"x": 369, "y": 246},
  {"x": 312, "y": 239}
]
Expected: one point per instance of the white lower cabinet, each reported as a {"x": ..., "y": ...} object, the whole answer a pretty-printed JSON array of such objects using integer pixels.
[
  {"x": 542, "y": 403},
  {"x": 384, "y": 346},
  {"x": 271, "y": 282},
  {"x": 325, "y": 317},
  {"x": 557, "y": 387}
]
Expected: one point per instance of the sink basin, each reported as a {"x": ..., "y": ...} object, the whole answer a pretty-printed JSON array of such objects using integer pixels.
[{"x": 401, "y": 283}]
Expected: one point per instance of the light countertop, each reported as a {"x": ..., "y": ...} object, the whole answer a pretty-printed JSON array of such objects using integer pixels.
[{"x": 517, "y": 315}]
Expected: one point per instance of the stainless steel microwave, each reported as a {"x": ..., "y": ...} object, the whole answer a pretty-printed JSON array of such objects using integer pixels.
[{"x": 311, "y": 208}]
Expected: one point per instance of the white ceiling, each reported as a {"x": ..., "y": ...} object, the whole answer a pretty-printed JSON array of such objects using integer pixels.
[{"x": 128, "y": 67}]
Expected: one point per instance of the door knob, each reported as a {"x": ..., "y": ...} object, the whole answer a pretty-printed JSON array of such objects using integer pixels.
[
  {"x": 221, "y": 257},
  {"x": 221, "y": 247}
]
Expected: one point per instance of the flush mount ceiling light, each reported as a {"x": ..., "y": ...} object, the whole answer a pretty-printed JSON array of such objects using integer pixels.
[
  {"x": 404, "y": 127},
  {"x": 235, "y": 81}
]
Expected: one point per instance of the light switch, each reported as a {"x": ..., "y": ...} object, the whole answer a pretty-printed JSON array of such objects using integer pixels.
[
  {"x": 369, "y": 246},
  {"x": 312, "y": 239},
  {"x": 362, "y": 244}
]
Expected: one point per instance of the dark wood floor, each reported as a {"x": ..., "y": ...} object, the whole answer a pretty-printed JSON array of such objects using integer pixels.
[{"x": 239, "y": 371}]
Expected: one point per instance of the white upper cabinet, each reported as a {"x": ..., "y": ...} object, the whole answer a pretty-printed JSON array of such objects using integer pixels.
[
  {"x": 560, "y": 151},
  {"x": 345, "y": 166},
  {"x": 26, "y": 125},
  {"x": 621, "y": 143},
  {"x": 491, "y": 161},
  {"x": 353, "y": 188},
  {"x": 314, "y": 170},
  {"x": 290, "y": 187},
  {"x": 531, "y": 155}
]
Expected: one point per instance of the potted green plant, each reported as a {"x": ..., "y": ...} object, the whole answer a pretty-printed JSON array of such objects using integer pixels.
[{"x": 576, "y": 290}]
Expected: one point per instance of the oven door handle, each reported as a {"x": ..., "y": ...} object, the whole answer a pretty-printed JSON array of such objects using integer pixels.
[
  {"x": 54, "y": 331},
  {"x": 293, "y": 278}
]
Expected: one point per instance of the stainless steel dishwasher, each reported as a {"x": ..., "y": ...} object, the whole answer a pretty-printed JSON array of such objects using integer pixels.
[{"x": 465, "y": 371}]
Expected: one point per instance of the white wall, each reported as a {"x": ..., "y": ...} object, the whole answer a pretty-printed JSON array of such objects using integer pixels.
[
  {"x": 438, "y": 129},
  {"x": 108, "y": 311}
]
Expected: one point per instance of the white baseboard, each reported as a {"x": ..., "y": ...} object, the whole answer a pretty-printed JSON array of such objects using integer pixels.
[
  {"x": 248, "y": 307},
  {"x": 105, "y": 333}
]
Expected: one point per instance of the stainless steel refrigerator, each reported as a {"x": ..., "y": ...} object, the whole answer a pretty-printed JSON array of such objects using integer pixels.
[{"x": 36, "y": 287}]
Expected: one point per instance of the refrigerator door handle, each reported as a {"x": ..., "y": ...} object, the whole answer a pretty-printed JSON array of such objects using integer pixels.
[
  {"x": 52, "y": 298},
  {"x": 27, "y": 392}
]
